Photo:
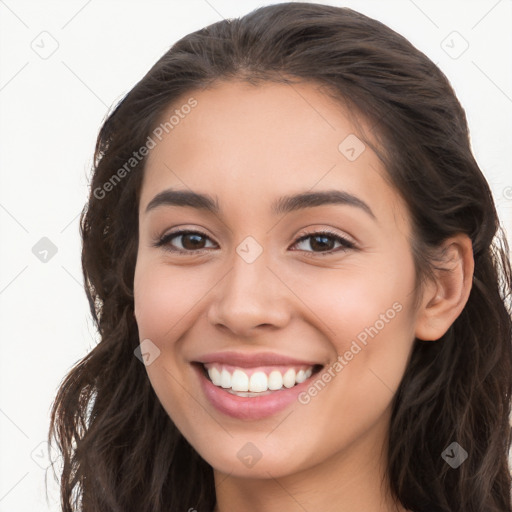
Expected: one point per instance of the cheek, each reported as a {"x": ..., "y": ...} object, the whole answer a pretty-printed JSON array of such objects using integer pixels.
[
  {"x": 368, "y": 316},
  {"x": 154, "y": 300},
  {"x": 161, "y": 307},
  {"x": 354, "y": 302},
  {"x": 370, "y": 328},
  {"x": 163, "y": 297}
]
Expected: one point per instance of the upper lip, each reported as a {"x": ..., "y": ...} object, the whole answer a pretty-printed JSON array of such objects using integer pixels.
[{"x": 250, "y": 360}]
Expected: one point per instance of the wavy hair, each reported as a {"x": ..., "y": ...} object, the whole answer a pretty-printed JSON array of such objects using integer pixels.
[{"x": 121, "y": 452}]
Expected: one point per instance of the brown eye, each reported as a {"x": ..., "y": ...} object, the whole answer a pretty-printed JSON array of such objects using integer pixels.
[
  {"x": 192, "y": 241},
  {"x": 321, "y": 243},
  {"x": 188, "y": 241},
  {"x": 324, "y": 242}
]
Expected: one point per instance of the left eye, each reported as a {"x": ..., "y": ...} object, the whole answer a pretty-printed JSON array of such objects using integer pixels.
[
  {"x": 325, "y": 242},
  {"x": 194, "y": 241}
]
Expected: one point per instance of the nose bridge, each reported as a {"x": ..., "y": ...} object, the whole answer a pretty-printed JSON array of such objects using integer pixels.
[{"x": 250, "y": 295}]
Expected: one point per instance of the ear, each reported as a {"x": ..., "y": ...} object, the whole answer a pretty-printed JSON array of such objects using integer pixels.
[{"x": 444, "y": 297}]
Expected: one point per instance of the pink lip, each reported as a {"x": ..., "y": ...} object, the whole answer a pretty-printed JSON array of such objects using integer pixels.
[
  {"x": 249, "y": 408},
  {"x": 248, "y": 360}
]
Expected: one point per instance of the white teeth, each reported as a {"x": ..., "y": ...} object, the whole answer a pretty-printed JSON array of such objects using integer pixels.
[
  {"x": 301, "y": 376},
  {"x": 225, "y": 379},
  {"x": 289, "y": 378},
  {"x": 215, "y": 376},
  {"x": 275, "y": 380},
  {"x": 239, "y": 381},
  {"x": 258, "y": 382}
]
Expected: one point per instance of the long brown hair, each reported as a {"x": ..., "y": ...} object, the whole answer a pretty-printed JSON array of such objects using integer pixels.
[{"x": 121, "y": 451}]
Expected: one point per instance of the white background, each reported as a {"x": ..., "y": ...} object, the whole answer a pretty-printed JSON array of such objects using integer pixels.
[{"x": 50, "y": 112}]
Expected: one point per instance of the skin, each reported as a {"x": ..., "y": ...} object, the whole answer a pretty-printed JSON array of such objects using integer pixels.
[{"x": 248, "y": 146}]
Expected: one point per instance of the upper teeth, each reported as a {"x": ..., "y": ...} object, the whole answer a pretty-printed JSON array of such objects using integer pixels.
[{"x": 239, "y": 379}]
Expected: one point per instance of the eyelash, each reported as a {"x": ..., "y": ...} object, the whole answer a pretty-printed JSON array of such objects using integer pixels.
[{"x": 345, "y": 244}]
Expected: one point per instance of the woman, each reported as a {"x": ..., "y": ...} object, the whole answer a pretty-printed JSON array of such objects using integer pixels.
[{"x": 300, "y": 282}]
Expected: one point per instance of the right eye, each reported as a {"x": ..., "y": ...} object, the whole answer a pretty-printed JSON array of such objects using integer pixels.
[{"x": 190, "y": 241}]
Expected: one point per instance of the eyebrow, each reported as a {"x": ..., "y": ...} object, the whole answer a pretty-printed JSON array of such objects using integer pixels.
[{"x": 283, "y": 205}]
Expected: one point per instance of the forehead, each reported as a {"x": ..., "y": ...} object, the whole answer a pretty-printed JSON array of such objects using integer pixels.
[
  {"x": 240, "y": 142},
  {"x": 266, "y": 123}
]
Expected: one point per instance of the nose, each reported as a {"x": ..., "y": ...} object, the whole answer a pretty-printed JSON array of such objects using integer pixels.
[{"x": 250, "y": 297}]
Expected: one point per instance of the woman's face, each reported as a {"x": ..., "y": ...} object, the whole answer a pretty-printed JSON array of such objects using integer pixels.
[{"x": 260, "y": 295}]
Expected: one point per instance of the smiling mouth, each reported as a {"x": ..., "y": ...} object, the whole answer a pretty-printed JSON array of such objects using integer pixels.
[{"x": 257, "y": 381}]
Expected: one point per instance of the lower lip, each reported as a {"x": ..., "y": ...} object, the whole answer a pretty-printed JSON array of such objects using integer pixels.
[{"x": 249, "y": 408}]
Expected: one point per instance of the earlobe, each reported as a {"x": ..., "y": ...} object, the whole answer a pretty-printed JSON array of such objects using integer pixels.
[{"x": 445, "y": 297}]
